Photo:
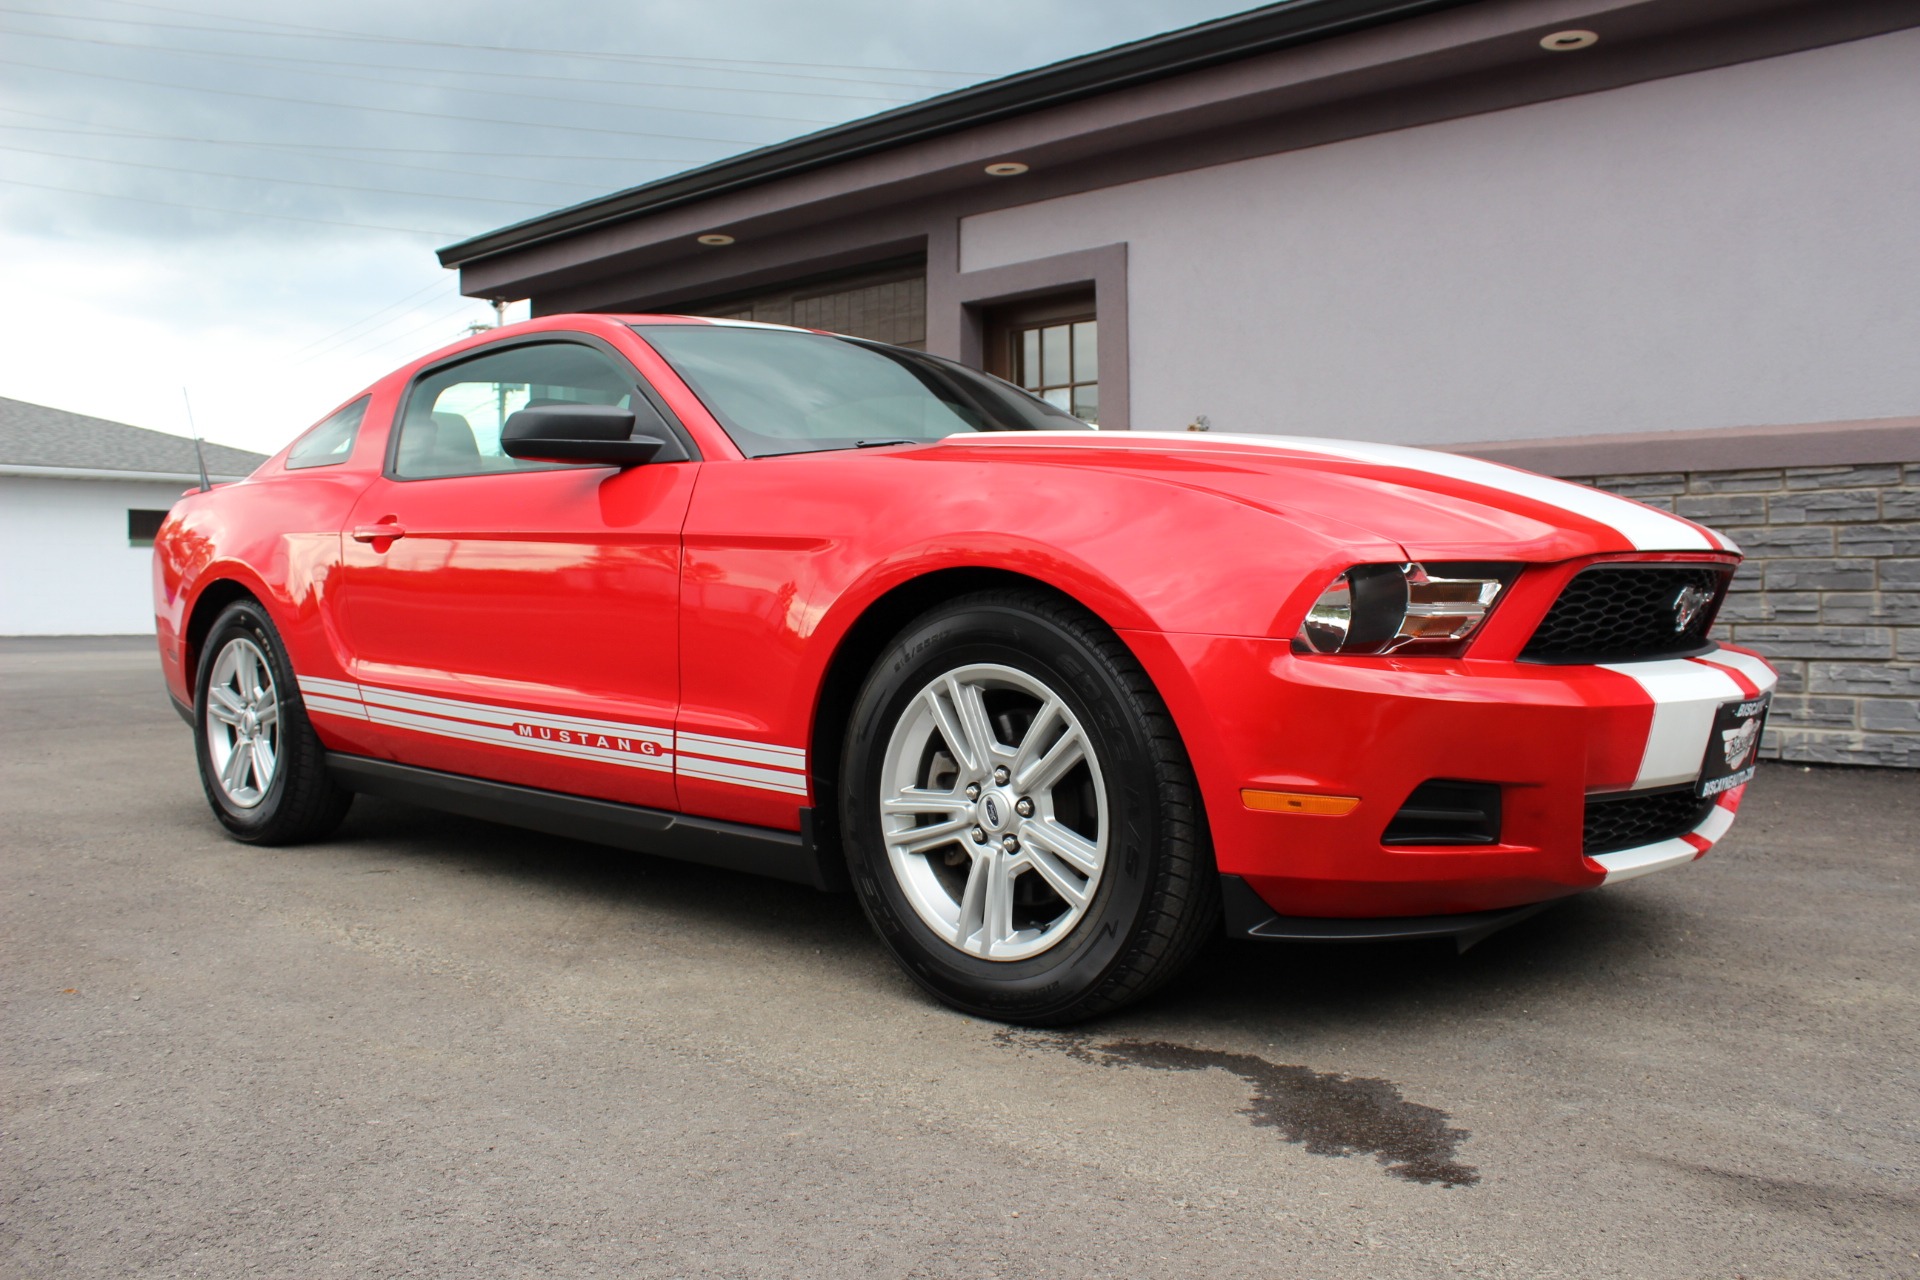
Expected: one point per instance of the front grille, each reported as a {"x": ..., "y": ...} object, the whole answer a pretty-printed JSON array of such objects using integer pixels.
[
  {"x": 1623, "y": 612},
  {"x": 1644, "y": 817}
]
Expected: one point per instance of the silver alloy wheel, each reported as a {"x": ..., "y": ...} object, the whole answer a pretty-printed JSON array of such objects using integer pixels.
[
  {"x": 243, "y": 723},
  {"x": 998, "y": 846}
]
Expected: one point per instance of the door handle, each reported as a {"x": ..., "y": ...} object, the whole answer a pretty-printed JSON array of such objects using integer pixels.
[{"x": 385, "y": 531}]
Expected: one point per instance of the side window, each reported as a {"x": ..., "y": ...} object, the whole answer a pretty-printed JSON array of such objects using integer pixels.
[
  {"x": 453, "y": 418},
  {"x": 330, "y": 443}
]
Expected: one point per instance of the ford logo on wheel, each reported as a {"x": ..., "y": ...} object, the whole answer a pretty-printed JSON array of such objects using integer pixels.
[{"x": 993, "y": 812}]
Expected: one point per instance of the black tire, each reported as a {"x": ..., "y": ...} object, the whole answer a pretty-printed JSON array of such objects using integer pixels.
[
  {"x": 301, "y": 802},
  {"x": 1156, "y": 900}
]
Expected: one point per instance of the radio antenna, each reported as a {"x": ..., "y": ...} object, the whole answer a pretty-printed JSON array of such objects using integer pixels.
[{"x": 199, "y": 454}]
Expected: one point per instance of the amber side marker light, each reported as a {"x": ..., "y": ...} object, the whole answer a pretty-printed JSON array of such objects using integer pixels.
[{"x": 1298, "y": 802}]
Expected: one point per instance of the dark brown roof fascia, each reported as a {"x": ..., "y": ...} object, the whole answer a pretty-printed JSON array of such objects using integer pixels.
[{"x": 1158, "y": 57}]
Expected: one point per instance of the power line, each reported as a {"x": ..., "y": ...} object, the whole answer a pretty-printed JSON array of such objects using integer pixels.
[
  {"x": 296, "y": 182},
  {"x": 522, "y": 52},
  {"x": 246, "y": 59},
  {"x": 439, "y": 283},
  {"x": 342, "y": 347},
  {"x": 361, "y": 106},
  {"x": 654, "y": 57},
  {"x": 326, "y": 146},
  {"x": 239, "y": 213},
  {"x": 110, "y": 134},
  {"x": 411, "y": 333},
  {"x": 490, "y": 75}
]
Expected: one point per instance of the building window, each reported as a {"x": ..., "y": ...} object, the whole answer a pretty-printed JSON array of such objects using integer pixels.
[
  {"x": 1060, "y": 363},
  {"x": 143, "y": 527}
]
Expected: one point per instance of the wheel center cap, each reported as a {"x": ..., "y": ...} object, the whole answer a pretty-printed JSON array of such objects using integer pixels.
[
  {"x": 995, "y": 812},
  {"x": 249, "y": 721}
]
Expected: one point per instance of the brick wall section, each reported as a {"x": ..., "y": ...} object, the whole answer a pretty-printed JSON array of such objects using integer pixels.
[{"x": 1829, "y": 591}]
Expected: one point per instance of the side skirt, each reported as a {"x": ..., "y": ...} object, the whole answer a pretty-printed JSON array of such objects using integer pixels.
[{"x": 784, "y": 855}]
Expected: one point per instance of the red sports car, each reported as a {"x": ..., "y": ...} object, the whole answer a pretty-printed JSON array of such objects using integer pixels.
[{"x": 1057, "y": 704}]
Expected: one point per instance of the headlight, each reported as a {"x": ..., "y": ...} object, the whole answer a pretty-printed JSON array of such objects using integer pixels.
[{"x": 1380, "y": 608}]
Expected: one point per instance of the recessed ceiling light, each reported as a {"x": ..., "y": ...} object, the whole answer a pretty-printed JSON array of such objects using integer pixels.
[
  {"x": 1006, "y": 169},
  {"x": 716, "y": 239},
  {"x": 1569, "y": 40}
]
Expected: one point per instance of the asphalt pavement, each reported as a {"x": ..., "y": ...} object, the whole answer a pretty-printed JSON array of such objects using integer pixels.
[{"x": 435, "y": 1047}]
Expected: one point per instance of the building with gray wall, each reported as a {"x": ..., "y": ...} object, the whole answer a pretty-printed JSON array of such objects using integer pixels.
[
  {"x": 1665, "y": 246},
  {"x": 80, "y": 501}
]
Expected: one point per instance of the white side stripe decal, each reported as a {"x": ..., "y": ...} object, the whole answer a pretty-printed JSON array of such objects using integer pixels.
[
  {"x": 759, "y": 765},
  {"x": 1644, "y": 528}
]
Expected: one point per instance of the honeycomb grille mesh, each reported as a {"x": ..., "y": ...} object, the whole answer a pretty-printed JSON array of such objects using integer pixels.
[
  {"x": 1622, "y": 822},
  {"x": 1615, "y": 613}
]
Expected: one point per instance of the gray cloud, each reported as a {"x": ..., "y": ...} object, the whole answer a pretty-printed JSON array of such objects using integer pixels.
[
  {"x": 273, "y": 186},
  {"x": 442, "y": 119}
]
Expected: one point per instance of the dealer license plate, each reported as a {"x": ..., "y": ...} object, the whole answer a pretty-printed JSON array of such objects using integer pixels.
[{"x": 1734, "y": 744}]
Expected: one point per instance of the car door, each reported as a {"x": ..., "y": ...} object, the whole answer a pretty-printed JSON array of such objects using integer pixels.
[{"x": 515, "y": 620}]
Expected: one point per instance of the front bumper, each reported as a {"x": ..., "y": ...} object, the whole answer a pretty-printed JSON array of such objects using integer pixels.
[{"x": 1255, "y": 715}]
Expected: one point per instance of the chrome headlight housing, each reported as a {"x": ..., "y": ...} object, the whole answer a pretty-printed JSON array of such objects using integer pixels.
[{"x": 1383, "y": 608}]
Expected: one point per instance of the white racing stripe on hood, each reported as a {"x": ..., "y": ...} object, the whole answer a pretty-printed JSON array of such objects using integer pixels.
[{"x": 1643, "y": 527}]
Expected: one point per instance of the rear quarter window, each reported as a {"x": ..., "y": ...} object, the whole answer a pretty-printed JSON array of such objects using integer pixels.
[{"x": 329, "y": 443}]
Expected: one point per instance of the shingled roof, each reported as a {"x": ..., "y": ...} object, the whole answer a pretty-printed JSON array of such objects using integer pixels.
[{"x": 36, "y": 437}]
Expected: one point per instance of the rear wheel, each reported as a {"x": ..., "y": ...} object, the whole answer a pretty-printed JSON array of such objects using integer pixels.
[
  {"x": 263, "y": 768},
  {"x": 1022, "y": 823}
]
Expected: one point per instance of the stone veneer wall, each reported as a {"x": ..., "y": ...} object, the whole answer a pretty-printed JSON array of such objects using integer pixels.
[{"x": 1829, "y": 591}]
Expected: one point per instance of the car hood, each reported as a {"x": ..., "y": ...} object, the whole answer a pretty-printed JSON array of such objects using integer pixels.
[{"x": 1434, "y": 505}]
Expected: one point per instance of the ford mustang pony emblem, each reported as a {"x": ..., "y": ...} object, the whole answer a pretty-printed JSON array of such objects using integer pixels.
[{"x": 1688, "y": 604}]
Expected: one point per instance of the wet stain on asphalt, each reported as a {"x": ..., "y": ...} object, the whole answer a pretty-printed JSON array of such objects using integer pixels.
[{"x": 1327, "y": 1113}]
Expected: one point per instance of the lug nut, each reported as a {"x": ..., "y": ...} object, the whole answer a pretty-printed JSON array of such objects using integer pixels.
[
  {"x": 973, "y": 791},
  {"x": 1023, "y": 807},
  {"x": 1010, "y": 844},
  {"x": 979, "y": 835},
  {"x": 1001, "y": 776}
]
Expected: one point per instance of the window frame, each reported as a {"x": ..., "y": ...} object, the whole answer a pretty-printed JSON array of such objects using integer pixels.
[
  {"x": 138, "y": 543},
  {"x": 389, "y": 467},
  {"x": 1016, "y": 357}
]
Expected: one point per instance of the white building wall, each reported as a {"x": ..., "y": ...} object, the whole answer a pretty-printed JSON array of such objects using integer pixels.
[
  {"x": 65, "y": 565},
  {"x": 1734, "y": 247}
]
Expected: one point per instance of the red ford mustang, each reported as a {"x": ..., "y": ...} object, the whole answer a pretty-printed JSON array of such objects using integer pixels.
[{"x": 1057, "y": 704}]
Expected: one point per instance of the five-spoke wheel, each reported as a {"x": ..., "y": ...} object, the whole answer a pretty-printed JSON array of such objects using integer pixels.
[
  {"x": 242, "y": 712},
  {"x": 263, "y": 768}
]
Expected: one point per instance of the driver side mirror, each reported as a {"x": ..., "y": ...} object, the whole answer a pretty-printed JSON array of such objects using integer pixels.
[{"x": 600, "y": 433}]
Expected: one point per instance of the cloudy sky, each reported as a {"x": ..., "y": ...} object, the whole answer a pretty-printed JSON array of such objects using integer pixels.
[{"x": 192, "y": 195}]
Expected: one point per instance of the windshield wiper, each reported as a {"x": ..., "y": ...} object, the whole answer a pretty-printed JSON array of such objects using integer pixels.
[{"x": 875, "y": 444}]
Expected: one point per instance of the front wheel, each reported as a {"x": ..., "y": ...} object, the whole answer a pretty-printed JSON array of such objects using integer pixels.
[
  {"x": 1022, "y": 823},
  {"x": 263, "y": 768}
]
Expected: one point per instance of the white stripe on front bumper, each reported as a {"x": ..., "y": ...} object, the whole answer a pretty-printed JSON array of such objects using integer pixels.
[
  {"x": 1685, "y": 695},
  {"x": 1625, "y": 864}
]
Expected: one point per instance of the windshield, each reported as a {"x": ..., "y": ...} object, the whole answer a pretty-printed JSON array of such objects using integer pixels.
[{"x": 789, "y": 391}]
